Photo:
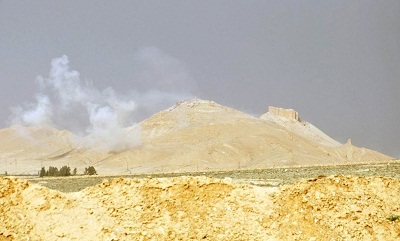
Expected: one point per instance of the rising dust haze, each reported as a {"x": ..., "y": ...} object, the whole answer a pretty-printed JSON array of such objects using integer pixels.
[{"x": 99, "y": 117}]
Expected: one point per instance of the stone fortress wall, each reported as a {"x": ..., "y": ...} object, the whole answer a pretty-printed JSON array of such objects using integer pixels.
[{"x": 286, "y": 113}]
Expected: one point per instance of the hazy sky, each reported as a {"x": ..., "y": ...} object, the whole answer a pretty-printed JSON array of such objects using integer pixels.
[{"x": 336, "y": 62}]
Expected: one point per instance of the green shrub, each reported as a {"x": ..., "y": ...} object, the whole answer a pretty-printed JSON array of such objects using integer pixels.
[{"x": 393, "y": 218}]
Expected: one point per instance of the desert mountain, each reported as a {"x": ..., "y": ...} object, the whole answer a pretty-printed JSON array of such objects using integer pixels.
[
  {"x": 192, "y": 135},
  {"x": 25, "y": 149}
]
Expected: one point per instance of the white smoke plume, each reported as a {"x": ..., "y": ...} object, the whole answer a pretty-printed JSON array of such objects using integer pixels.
[
  {"x": 101, "y": 117},
  {"x": 37, "y": 114}
]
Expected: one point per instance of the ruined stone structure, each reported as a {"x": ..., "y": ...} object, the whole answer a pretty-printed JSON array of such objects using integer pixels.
[{"x": 286, "y": 113}]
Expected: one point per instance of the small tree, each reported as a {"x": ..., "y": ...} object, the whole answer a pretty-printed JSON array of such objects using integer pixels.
[
  {"x": 90, "y": 171},
  {"x": 42, "y": 172},
  {"x": 53, "y": 171},
  {"x": 65, "y": 171},
  {"x": 75, "y": 171}
]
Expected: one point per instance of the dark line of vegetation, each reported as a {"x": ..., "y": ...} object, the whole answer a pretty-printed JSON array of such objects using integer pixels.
[{"x": 65, "y": 171}]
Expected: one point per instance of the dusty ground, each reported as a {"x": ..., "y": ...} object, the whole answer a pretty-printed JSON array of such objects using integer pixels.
[
  {"x": 195, "y": 208},
  {"x": 272, "y": 177}
]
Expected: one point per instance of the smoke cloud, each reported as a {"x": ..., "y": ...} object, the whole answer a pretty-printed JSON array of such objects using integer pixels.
[
  {"x": 39, "y": 113},
  {"x": 100, "y": 117}
]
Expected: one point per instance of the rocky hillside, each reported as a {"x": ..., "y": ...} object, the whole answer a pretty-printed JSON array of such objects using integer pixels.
[{"x": 192, "y": 135}]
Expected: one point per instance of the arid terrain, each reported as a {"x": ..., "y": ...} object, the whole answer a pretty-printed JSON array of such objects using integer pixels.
[
  {"x": 193, "y": 135},
  {"x": 271, "y": 177},
  {"x": 201, "y": 171},
  {"x": 203, "y": 208}
]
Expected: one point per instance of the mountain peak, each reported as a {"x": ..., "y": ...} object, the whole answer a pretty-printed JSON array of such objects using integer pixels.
[{"x": 196, "y": 104}]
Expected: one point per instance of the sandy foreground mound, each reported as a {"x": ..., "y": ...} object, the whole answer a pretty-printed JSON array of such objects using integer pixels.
[{"x": 195, "y": 208}]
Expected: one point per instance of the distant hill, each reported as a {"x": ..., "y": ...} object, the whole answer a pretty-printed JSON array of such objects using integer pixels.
[{"x": 193, "y": 135}]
